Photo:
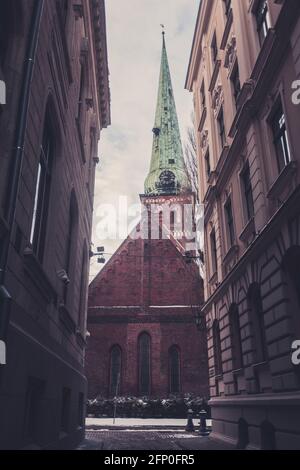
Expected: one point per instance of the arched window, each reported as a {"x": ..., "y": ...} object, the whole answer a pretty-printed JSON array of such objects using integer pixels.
[
  {"x": 42, "y": 191},
  {"x": 257, "y": 320},
  {"x": 217, "y": 348},
  {"x": 236, "y": 341},
  {"x": 115, "y": 370},
  {"x": 174, "y": 370},
  {"x": 243, "y": 434},
  {"x": 144, "y": 345}
]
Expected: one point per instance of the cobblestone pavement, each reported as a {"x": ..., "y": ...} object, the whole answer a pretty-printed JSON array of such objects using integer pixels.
[{"x": 148, "y": 440}]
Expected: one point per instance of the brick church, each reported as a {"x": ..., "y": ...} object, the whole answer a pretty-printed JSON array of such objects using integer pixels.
[{"x": 143, "y": 305}]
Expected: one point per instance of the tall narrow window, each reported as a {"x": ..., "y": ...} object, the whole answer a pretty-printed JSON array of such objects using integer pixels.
[
  {"x": 64, "y": 11},
  {"x": 207, "y": 164},
  {"x": 280, "y": 137},
  {"x": 65, "y": 409},
  {"x": 221, "y": 126},
  {"x": 262, "y": 20},
  {"x": 227, "y": 5},
  {"x": 6, "y": 26},
  {"x": 236, "y": 341},
  {"x": 214, "y": 49},
  {"x": 247, "y": 192},
  {"x": 42, "y": 193},
  {"x": 174, "y": 369},
  {"x": 213, "y": 248},
  {"x": 217, "y": 348},
  {"x": 236, "y": 83},
  {"x": 257, "y": 320},
  {"x": 71, "y": 242},
  {"x": 33, "y": 409},
  {"x": 202, "y": 95},
  {"x": 115, "y": 370},
  {"x": 81, "y": 93},
  {"x": 83, "y": 289},
  {"x": 229, "y": 223},
  {"x": 144, "y": 364}
]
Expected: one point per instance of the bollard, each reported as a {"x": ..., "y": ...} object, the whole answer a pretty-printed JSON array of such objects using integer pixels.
[
  {"x": 190, "y": 425},
  {"x": 203, "y": 431}
]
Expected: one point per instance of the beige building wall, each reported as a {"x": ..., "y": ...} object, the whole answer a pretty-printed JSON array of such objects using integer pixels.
[{"x": 244, "y": 72}]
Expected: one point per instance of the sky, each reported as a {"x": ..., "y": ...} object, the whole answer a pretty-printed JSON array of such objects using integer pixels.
[{"x": 134, "y": 52}]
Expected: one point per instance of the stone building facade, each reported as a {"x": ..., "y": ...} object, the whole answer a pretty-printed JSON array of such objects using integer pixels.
[
  {"x": 244, "y": 61},
  {"x": 53, "y": 59},
  {"x": 142, "y": 306}
]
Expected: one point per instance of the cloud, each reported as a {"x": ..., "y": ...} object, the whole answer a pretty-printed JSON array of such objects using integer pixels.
[{"x": 134, "y": 48}]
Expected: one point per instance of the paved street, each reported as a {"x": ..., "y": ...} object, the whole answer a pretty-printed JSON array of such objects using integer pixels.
[{"x": 148, "y": 440}]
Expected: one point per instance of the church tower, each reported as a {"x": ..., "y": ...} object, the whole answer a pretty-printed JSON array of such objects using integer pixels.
[{"x": 143, "y": 304}]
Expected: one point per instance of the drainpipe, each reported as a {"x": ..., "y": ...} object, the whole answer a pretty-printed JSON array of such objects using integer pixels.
[{"x": 5, "y": 297}]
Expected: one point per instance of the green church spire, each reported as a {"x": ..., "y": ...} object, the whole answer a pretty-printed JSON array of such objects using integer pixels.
[{"x": 167, "y": 174}]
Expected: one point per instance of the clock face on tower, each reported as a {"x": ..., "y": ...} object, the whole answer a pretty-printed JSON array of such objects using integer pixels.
[{"x": 166, "y": 181}]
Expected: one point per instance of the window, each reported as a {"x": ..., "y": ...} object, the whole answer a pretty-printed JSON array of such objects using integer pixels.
[
  {"x": 213, "y": 248},
  {"x": 71, "y": 242},
  {"x": 81, "y": 93},
  {"x": 81, "y": 410},
  {"x": 174, "y": 370},
  {"x": 280, "y": 137},
  {"x": 42, "y": 194},
  {"x": 227, "y": 5},
  {"x": 64, "y": 12},
  {"x": 65, "y": 409},
  {"x": 115, "y": 370},
  {"x": 257, "y": 320},
  {"x": 83, "y": 289},
  {"x": 236, "y": 84},
  {"x": 291, "y": 275},
  {"x": 229, "y": 223},
  {"x": 207, "y": 164},
  {"x": 262, "y": 20},
  {"x": 33, "y": 409},
  {"x": 236, "y": 341},
  {"x": 221, "y": 126},
  {"x": 202, "y": 95},
  {"x": 217, "y": 348},
  {"x": 7, "y": 21},
  {"x": 247, "y": 192},
  {"x": 214, "y": 49},
  {"x": 144, "y": 364}
]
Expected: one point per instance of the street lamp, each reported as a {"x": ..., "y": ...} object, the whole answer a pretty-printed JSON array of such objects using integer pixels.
[{"x": 99, "y": 253}]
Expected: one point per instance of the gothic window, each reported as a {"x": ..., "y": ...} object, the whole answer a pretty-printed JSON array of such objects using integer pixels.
[
  {"x": 257, "y": 321},
  {"x": 280, "y": 137},
  {"x": 217, "y": 348},
  {"x": 144, "y": 344},
  {"x": 115, "y": 370},
  {"x": 236, "y": 341},
  {"x": 42, "y": 192},
  {"x": 174, "y": 370}
]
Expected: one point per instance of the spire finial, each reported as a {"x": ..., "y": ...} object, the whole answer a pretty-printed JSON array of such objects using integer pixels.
[{"x": 163, "y": 29}]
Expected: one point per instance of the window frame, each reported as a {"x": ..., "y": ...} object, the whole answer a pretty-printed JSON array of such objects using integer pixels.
[
  {"x": 221, "y": 128},
  {"x": 246, "y": 191},
  {"x": 263, "y": 20},
  {"x": 229, "y": 221},
  {"x": 278, "y": 134}
]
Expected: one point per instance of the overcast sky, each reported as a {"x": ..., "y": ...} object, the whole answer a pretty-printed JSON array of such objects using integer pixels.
[{"x": 134, "y": 50}]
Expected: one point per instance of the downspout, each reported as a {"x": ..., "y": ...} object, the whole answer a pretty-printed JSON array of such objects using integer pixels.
[{"x": 5, "y": 297}]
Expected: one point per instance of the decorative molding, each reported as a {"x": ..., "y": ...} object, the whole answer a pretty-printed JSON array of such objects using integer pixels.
[
  {"x": 204, "y": 139},
  {"x": 217, "y": 98}
]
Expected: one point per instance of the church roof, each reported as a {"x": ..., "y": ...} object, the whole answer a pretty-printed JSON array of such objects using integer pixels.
[{"x": 167, "y": 174}]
